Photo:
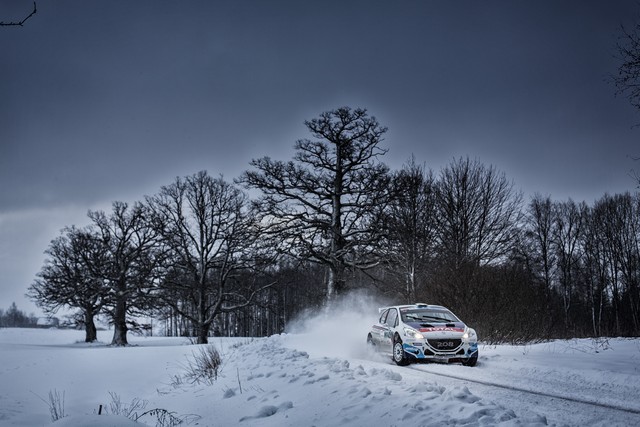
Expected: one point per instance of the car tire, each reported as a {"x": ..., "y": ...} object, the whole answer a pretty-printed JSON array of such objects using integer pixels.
[
  {"x": 399, "y": 356},
  {"x": 471, "y": 361},
  {"x": 370, "y": 341}
]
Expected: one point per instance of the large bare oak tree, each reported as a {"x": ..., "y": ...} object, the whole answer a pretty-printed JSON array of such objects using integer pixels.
[
  {"x": 71, "y": 277},
  {"x": 326, "y": 202}
]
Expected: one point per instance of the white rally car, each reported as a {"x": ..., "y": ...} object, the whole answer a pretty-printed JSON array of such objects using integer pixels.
[{"x": 422, "y": 332}]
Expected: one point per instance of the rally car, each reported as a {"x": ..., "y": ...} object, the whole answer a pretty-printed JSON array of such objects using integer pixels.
[{"x": 423, "y": 332}]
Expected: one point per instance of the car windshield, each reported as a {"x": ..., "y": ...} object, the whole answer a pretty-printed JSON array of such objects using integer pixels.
[{"x": 428, "y": 315}]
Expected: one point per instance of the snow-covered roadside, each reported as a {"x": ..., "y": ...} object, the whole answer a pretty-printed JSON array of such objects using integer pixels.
[
  {"x": 34, "y": 362},
  {"x": 286, "y": 387}
]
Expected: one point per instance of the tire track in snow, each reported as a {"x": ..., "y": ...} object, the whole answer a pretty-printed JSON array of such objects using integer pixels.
[{"x": 534, "y": 392}]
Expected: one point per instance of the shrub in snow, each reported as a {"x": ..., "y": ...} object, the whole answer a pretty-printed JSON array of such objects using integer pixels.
[
  {"x": 162, "y": 417},
  {"x": 55, "y": 404},
  {"x": 204, "y": 365},
  {"x": 117, "y": 407},
  {"x": 165, "y": 418}
]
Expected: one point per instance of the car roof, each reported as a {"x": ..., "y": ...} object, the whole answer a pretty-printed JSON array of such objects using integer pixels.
[{"x": 417, "y": 305}]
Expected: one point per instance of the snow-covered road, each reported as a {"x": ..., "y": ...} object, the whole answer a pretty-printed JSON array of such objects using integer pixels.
[{"x": 564, "y": 393}]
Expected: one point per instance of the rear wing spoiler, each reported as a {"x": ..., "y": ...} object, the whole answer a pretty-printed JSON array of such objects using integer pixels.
[{"x": 416, "y": 305}]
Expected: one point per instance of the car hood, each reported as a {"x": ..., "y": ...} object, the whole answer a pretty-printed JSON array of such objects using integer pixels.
[{"x": 438, "y": 329}]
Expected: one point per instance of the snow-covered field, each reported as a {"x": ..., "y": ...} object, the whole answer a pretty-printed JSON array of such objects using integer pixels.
[{"x": 321, "y": 375}]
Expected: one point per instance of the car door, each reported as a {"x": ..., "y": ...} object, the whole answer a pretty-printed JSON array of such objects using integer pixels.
[
  {"x": 390, "y": 323},
  {"x": 379, "y": 329}
]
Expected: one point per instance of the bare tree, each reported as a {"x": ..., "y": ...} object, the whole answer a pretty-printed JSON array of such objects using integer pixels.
[
  {"x": 478, "y": 212},
  {"x": 617, "y": 229},
  {"x": 326, "y": 203},
  {"x": 627, "y": 80},
  {"x": 206, "y": 228},
  {"x": 71, "y": 277},
  {"x": 595, "y": 272},
  {"x": 411, "y": 225},
  {"x": 567, "y": 229},
  {"x": 629, "y": 243},
  {"x": 539, "y": 232},
  {"x": 132, "y": 263}
]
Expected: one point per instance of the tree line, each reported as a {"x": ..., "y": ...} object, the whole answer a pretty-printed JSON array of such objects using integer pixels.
[
  {"x": 16, "y": 318},
  {"x": 205, "y": 259}
]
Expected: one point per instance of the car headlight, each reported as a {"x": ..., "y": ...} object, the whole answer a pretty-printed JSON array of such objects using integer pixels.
[
  {"x": 412, "y": 333},
  {"x": 470, "y": 335}
]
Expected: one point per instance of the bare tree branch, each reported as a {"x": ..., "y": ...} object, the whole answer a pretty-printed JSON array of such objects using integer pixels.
[{"x": 20, "y": 23}]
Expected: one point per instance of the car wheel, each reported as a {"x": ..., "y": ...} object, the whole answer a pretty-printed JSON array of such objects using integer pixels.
[
  {"x": 370, "y": 341},
  {"x": 399, "y": 355},
  {"x": 471, "y": 361}
]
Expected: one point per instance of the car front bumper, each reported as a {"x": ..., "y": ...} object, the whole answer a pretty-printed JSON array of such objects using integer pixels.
[{"x": 453, "y": 351}]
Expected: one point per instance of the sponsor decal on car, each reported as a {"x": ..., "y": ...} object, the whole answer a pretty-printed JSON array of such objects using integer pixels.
[{"x": 441, "y": 329}]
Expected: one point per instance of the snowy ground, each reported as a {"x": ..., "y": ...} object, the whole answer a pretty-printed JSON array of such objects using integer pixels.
[{"x": 320, "y": 377}]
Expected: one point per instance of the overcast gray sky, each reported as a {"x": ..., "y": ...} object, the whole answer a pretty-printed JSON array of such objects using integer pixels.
[{"x": 109, "y": 100}]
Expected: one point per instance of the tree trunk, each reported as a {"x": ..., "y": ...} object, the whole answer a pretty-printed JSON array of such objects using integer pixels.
[
  {"x": 119, "y": 334},
  {"x": 91, "y": 334},
  {"x": 202, "y": 327},
  {"x": 120, "y": 320},
  {"x": 203, "y": 334},
  {"x": 411, "y": 284},
  {"x": 335, "y": 284}
]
